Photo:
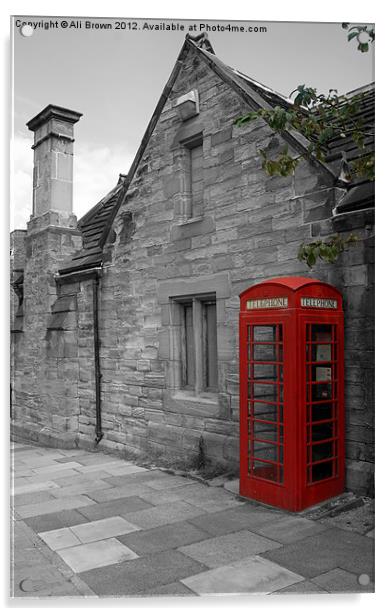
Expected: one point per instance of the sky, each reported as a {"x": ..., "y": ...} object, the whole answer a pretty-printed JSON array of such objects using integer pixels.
[{"x": 115, "y": 78}]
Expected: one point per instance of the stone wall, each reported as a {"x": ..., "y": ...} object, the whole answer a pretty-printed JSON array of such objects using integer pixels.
[
  {"x": 44, "y": 394},
  {"x": 17, "y": 261}
]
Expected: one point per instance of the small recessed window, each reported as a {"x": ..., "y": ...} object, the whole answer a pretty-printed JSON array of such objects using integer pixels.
[
  {"x": 195, "y": 177},
  {"x": 197, "y": 180},
  {"x": 199, "y": 344}
]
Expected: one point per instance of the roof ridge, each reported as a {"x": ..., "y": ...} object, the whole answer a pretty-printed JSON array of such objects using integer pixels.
[{"x": 365, "y": 88}]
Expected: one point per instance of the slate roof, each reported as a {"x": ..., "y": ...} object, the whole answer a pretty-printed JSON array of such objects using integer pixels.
[
  {"x": 95, "y": 225},
  {"x": 366, "y": 115}
]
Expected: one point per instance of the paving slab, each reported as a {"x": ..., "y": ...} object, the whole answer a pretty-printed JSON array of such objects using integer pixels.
[
  {"x": 82, "y": 478},
  {"x": 110, "y": 493},
  {"x": 42, "y": 581},
  {"x": 17, "y": 482},
  {"x": 51, "y": 506},
  {"x": 253, "y": 575},
  {"x": 220, "y": 504},
  {"x": 103, "y": 529},
  {"x": 303, "y": 588},
  {"x": 33, "y": 487},
  {"x": 52, "y": 521},
  {"x": 81, "y": 487},
  {"x": 130, "y": 479},
  {"x": 160, "y": 515},
  {"x": 72, "y": 453},
  {"x": 57, "y": 473},
  {"x": 208, "y": 498},
  {"x": 48, "y": 576},
  {"x": 59, "y": 538},
  {"x": 169, "y": 481},
  {"x": 163, "y": 538},
  {"x": 86, "y": 458},
  {"x": 22, "y": 473},
  {"x": 54, "y": 468},
  {"x": 334, "y": 548},
  {"x": 176, "y": 589},
  {"x": 30, "y": 557},
  {"x": 160, "y": 497},
  {"x": 235, "y": 518},
  {"x": 138, "y": 576},
  {"x": 119, "y": 506},
  {"x": 338, "y": 581},
  {"x": 108, "y": 466},
  {"x": 224, "y": 549},
  {"x": 31, "y": 498},
  {"x": 32, "y": 460},
  {"x": 232, "y": 486},
  {"x": 126, "y": 469},
  {"x": 193, "y": 491},
  {"x": 40, "y": 462},
  {"x": 289, "y": 529},
  {"x": 96, "y": 554}
]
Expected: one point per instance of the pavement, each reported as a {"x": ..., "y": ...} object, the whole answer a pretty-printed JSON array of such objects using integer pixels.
[{"x": 88, "y": 524}]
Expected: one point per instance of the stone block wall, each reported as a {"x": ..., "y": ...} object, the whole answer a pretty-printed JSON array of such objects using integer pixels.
[{"x": 44, "y": 394}]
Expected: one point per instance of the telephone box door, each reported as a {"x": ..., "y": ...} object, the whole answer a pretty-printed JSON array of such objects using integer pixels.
[
  {"x": 322, "y": 380},
  {"x": 267, "y": 462}
]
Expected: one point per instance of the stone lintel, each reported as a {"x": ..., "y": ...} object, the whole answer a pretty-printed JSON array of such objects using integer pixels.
[{"x": 215, "y": 283}]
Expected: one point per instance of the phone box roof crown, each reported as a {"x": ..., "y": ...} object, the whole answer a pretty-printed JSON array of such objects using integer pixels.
[{"x": 291, "y": 292}]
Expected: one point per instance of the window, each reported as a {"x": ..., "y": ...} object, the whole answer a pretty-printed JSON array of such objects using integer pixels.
[
  {"x": 195, "y": 177},
  {"x": 199, "y": 344},
  {"x": 196, "y": 180}
]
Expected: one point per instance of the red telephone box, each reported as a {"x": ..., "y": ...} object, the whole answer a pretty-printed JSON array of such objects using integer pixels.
[{"x": 291, "y": 392}]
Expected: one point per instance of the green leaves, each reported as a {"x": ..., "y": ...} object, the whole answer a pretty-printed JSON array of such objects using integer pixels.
[
  {"x": 363, "y": 33},
  {"x": 352, "y": 35},
  {"x": 284, "y": 165},
  {"x": 305, "y": 96},
  {"x": 321, "y": 118},
  {"x": 328, "y": 250},
  {"x": 325, "y": 134},
  {"x": 364, "y": 167},
  {"x": 248, "y": 117}
]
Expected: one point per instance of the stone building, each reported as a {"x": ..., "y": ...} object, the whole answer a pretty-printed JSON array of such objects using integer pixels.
[{"x": 125, "y": 324}]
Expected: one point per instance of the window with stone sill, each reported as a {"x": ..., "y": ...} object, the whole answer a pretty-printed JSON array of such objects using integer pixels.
[{"x": 198, "y": 345}]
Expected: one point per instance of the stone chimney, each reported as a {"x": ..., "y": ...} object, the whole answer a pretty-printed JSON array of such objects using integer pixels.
[{"x": 53, "y": 167}]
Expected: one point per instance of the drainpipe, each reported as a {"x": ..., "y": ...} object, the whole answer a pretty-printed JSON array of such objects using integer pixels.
[
  {"x": 93, "y": 274},
  {"x": 98, "y": 376}
]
